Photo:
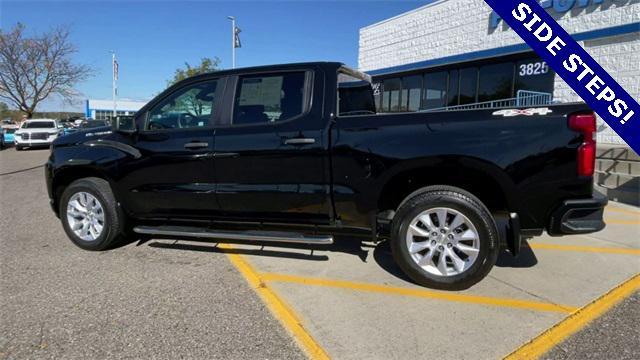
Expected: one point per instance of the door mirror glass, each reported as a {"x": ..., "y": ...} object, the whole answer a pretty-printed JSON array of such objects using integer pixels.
[{"x": 124, "y": 124}]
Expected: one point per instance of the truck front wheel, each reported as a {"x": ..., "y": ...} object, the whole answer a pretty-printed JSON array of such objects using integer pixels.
[
  {"x": 90, "y": 214},
  {"x": 444, "y": 238}
]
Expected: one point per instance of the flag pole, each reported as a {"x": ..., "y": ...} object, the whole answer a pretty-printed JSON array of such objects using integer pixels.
[
  {"x": 233, "y": 41},
  {"x": 113, "y": 82}
]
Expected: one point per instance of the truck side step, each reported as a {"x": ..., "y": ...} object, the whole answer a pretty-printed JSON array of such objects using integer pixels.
[{"x": 246, "y": 235}]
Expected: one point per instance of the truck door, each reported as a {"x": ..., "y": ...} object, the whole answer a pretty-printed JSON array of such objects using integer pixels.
[
  {"x": 271, "y": 155},
  {"x": 174, "y": 176}
]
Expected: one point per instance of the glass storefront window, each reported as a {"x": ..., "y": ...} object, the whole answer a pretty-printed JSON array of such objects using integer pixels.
[
  {"x": 533, "y": 75},
  {"x": 411, "y": 90},
  {"x": 468, "y": 85},
  {"x": 391, "y": 95},
  {"x": 435, "y": 90},
  {"x": 496, "y": 82},
  {"x": 454, "y": 87}
]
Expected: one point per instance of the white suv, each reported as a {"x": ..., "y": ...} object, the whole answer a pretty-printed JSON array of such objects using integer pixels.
[{"x": 36, "y": 132}]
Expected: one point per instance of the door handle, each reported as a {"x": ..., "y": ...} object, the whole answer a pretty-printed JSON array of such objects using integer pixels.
[
  {"x": 300, "y": 141},
  {"x": 196, "y": 145}
]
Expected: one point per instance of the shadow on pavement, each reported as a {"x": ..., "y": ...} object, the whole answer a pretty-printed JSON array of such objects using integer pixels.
[
  {"x": 348, "y": 245},
  {"x": 526, "y": 259},
  {"x": 343, "y": 245}
]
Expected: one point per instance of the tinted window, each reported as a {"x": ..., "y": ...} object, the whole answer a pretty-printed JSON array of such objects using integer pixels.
[
  {"x": 534, "y": 75},
  {"x": 454, "y": 87},
  {"x": 391, "y": 95},
  {"x": 267, "y": 99},
  {"x": 355, "y": 98},
  {"x": 39, "y": 125},
  {"x": 468, "y": 85},
  {"x": 435, "y": 90},
  {"x": 411, "y": 91},
  {"x": 189, "y": 107},
  {"x": 495, "y": 82}
]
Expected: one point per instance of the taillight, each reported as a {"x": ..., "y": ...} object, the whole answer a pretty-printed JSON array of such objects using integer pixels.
[{"x": 585, "y": 124}]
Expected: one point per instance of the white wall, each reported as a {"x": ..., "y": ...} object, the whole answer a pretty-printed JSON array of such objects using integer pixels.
[
  {"x": 123, "y": 105},
  {"x": 453, "y": 27}
]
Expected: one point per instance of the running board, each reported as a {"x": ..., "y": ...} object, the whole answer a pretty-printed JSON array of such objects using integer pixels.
[{"x": 246, "y": 235}]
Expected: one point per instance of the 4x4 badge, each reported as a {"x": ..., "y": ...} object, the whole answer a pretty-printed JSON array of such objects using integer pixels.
[{"x": 525, "y": 112}]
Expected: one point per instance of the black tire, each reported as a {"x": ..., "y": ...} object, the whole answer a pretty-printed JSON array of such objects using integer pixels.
[
  {"x": 18, "y": 148},
  {"x": 114, "y": 220},
  {"x": 466, "y": 204}
]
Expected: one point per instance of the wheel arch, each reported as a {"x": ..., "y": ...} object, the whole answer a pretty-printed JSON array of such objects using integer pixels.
[
  {"x": 485, "y": 180},
  {"x": 65, "y": 176}
]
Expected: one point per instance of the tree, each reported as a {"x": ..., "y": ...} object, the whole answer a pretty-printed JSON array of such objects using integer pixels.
[
  {"x": 3, "y": 109},
  {"x": 191, "y": 101},
  {"x": 34, "y": 68},
  {"x": 206, "y": 65}
]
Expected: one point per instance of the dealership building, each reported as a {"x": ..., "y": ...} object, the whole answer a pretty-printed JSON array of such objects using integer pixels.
[
  {"x": 457, "y": 54},
  {"x": 103, "y": 109}
]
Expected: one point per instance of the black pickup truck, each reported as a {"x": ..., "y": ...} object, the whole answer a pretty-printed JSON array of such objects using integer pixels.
[{"x": 297, "y": 154}]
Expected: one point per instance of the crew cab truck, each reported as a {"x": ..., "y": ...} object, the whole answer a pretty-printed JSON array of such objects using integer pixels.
[{"x": 296, "y": 153}]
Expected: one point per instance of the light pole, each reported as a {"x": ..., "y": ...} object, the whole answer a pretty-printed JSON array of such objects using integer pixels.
[{"x": 233, "y": 41}]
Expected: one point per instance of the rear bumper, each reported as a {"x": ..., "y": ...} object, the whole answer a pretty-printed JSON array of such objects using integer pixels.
[{"x": 578, "y": 216}]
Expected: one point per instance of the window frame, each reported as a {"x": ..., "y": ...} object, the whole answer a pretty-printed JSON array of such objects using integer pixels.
[
  {"x": 232, "y": 88},
  {"x": 217, "y": 103}
]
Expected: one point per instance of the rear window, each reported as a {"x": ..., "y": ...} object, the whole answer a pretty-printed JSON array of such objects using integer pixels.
[
  {"x": 39, "y": 125},
  {"x": 355, "y": 95}
]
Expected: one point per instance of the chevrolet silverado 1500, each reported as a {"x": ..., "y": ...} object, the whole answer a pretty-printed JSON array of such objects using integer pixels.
[{"x": 297, "y": 154}]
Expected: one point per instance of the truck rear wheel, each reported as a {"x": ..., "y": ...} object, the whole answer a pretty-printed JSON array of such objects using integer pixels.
[
  {"x": 90, "y": 214},
  {"x": 444, "y": 238}
]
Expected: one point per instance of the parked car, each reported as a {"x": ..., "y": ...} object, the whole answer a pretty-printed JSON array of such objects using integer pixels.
[
  {"x": 2, "y": 143},
  {"x": 297, "y": 154},
  {"x": 68, "y": 128},
  {"x": 8, "y": 132},
  {"x": 36, "y": 133}
]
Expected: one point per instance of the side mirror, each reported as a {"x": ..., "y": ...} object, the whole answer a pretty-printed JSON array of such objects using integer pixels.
[{"x": 124, "y": 124}]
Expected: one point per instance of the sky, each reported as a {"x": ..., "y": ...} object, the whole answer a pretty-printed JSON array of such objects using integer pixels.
[{"x": 152, "y": 39}]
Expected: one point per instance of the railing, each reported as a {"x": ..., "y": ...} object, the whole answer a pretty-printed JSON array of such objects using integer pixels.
[
  {"x": 523, "y": 98},
  {"x": 532, "y": 98}
]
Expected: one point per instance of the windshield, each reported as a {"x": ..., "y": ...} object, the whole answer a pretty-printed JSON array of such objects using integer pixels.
[
  {"x": 355, "y": 94},
  {"x": 39, "y": 125}
]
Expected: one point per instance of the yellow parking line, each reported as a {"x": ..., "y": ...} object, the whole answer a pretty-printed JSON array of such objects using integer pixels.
[
  {"x": 278, "y": 307},
  {"x": 576, "y": 321},
  {"x": 585, "y": 249},
  {"x": 622, "y": 222},
  {"x": 421, "y": 293},
  {"x": 624, "y": 211}
]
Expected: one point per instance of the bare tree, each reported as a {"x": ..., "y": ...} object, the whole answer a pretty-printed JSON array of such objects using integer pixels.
[{"x": 34, "y": 68}]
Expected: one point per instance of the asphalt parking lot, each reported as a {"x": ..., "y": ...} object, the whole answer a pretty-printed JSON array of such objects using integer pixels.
[{"x": 168, "y": 299}]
